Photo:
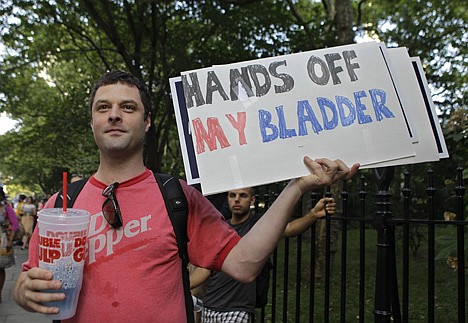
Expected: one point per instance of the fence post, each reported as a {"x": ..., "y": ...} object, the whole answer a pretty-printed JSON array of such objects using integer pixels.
[
  {"x": 386, "y": 290},
  {"x": 460, "y": 192}
]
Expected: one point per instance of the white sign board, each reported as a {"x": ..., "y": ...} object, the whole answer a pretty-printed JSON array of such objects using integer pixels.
[
  {"x": 425, "y": 128},
  {"x": 252, "y": 122}
]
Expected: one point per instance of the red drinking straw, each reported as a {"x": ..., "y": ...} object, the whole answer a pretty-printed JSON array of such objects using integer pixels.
[{"x": 64, "y": 192}]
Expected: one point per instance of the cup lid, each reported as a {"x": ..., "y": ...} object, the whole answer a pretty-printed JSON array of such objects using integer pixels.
[{"x": 57, "y": 216}]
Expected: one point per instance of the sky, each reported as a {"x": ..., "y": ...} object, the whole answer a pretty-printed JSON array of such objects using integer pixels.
[{"x": 6, "y": 123}]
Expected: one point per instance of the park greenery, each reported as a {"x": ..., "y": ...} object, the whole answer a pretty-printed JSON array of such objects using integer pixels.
[{"x": 51, "y": 52}]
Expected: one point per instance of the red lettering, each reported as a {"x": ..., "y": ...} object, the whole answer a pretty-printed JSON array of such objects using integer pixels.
[
  {"x": 79, "y": 254},
  {"x": 239, "y": 125},
  {"x": 66, "y": 234},
  {"x": 215, "y": 131},
  {"x": 48, "y": 255},
  {"x": 80, "y": 242},
  {"x": 49, "y": 242}
]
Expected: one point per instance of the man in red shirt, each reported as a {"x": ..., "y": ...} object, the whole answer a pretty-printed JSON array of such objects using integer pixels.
[{"x": 133, "y": 271}]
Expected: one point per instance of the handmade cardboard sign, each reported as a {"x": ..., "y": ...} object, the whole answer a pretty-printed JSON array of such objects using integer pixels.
[
  {"x": 425, "y": 128},
  {"x": 251, "y": 123},
  {"x": 430, "y": 108},
  {"x": 184, "y": 131}
]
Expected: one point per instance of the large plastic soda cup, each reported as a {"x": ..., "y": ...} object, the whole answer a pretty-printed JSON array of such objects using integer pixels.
[{"x": 62, "y": 250}]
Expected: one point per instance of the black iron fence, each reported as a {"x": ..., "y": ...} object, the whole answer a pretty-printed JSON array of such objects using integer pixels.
[{"x": 369, "y": 263}]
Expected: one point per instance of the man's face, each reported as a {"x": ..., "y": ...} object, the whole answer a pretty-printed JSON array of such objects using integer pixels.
[
  {"x": 117, "y": 119},
  {"x": 240, "y": 201}
]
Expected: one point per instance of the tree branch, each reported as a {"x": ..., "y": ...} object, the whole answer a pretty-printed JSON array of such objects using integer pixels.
[
  {"x": 110, "y": 30},
  {"x": 300, "y": 19},
  {"x": 359, "y": 17},
  {"x": 239, "y": 2}
]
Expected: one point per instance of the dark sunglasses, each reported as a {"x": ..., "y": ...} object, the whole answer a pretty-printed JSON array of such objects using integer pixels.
[{"x": 110, "y": 207}]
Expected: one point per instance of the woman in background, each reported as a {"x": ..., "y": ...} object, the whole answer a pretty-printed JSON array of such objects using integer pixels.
[
  {"x": 28, "y": 219},
  {"x": 8, "y": 227}
]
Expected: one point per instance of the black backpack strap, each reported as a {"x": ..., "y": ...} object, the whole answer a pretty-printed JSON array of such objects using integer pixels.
[
  {"x": 177, "y": 208},
  {"x": 73, "y": 189}
]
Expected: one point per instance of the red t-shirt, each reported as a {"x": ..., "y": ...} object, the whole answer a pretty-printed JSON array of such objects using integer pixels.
[{"x": 134, "y": 274}]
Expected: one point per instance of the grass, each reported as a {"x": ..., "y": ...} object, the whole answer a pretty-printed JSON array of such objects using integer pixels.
[{"x": 446, "y": 284}]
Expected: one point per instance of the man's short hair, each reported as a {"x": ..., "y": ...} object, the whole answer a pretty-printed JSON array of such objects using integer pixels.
[
  {"x": 250, "y": 189},
  {"x": 117, "y": 76}
]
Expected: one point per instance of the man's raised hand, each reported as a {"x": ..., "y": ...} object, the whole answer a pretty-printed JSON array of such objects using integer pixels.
[{"x": 324, "y": 172}]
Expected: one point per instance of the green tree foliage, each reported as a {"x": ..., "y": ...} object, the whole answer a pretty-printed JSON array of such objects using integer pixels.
[
  {"x": 56, "y": 50},
  {"x": 437, "y": 32},
  {"x": 53, "y": 136}
]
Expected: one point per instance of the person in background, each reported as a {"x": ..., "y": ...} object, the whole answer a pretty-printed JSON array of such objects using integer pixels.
[
  {"x": 133, "y": 272},
  {"x": 225, "y": 299},
  {"x": 43, "y": 202},
  {"x": 19, "y": 213},
  {"x": 19, "y": 206},
  {"x": 28, "y": 220},
  {"x": 8, "y": 227}
]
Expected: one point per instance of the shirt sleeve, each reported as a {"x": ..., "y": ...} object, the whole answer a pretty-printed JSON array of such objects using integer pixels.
[{"x": 211, "y": 238}]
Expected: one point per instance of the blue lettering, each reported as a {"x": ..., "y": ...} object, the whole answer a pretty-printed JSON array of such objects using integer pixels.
[
  {"x": 341, "y": 110},
  {"x": 283, "y": 131},
  {"x": 324, "y": 103},
  {"x": 360, "y": 107},
  {"x": 305, "y": 113},
  {"x": 346, "y": 120},
  {"x": 264, "y": 118},
  {"x": 378, "y": 102}
]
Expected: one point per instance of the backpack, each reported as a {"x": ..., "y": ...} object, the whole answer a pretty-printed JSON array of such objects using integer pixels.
[
  {"x": 262, "y": 285},
  {"x": 262, "y": 282},
  {"x": 176, "y": 205}
]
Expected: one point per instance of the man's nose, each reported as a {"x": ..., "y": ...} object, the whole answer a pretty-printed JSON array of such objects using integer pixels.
[{"x": 115, "y": 114}]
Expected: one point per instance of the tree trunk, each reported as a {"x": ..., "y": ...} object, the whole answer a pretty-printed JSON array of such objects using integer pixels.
[
  {"x": 341, "y": 11},
  {"x": 344, "y": 21}
]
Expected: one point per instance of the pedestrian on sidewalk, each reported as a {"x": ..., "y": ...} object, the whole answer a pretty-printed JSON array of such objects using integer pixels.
[
  {"x": 28, "y": 220},
  {"x": 8, "y": 227}
]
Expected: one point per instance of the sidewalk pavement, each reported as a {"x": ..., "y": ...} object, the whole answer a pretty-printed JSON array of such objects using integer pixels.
[{"x": 10, "y": 312}]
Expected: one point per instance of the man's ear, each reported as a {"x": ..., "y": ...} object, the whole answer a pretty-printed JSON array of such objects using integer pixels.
[
  {"x": 252, "y": 200},
  {"x": 148, "y": 122}
]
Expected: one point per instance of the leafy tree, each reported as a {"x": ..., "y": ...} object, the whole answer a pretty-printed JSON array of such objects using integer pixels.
[
  {"x": 437, "y": 32},
  {"x": 56, "y": 50},
  {"x": 54, "y": 136}
]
